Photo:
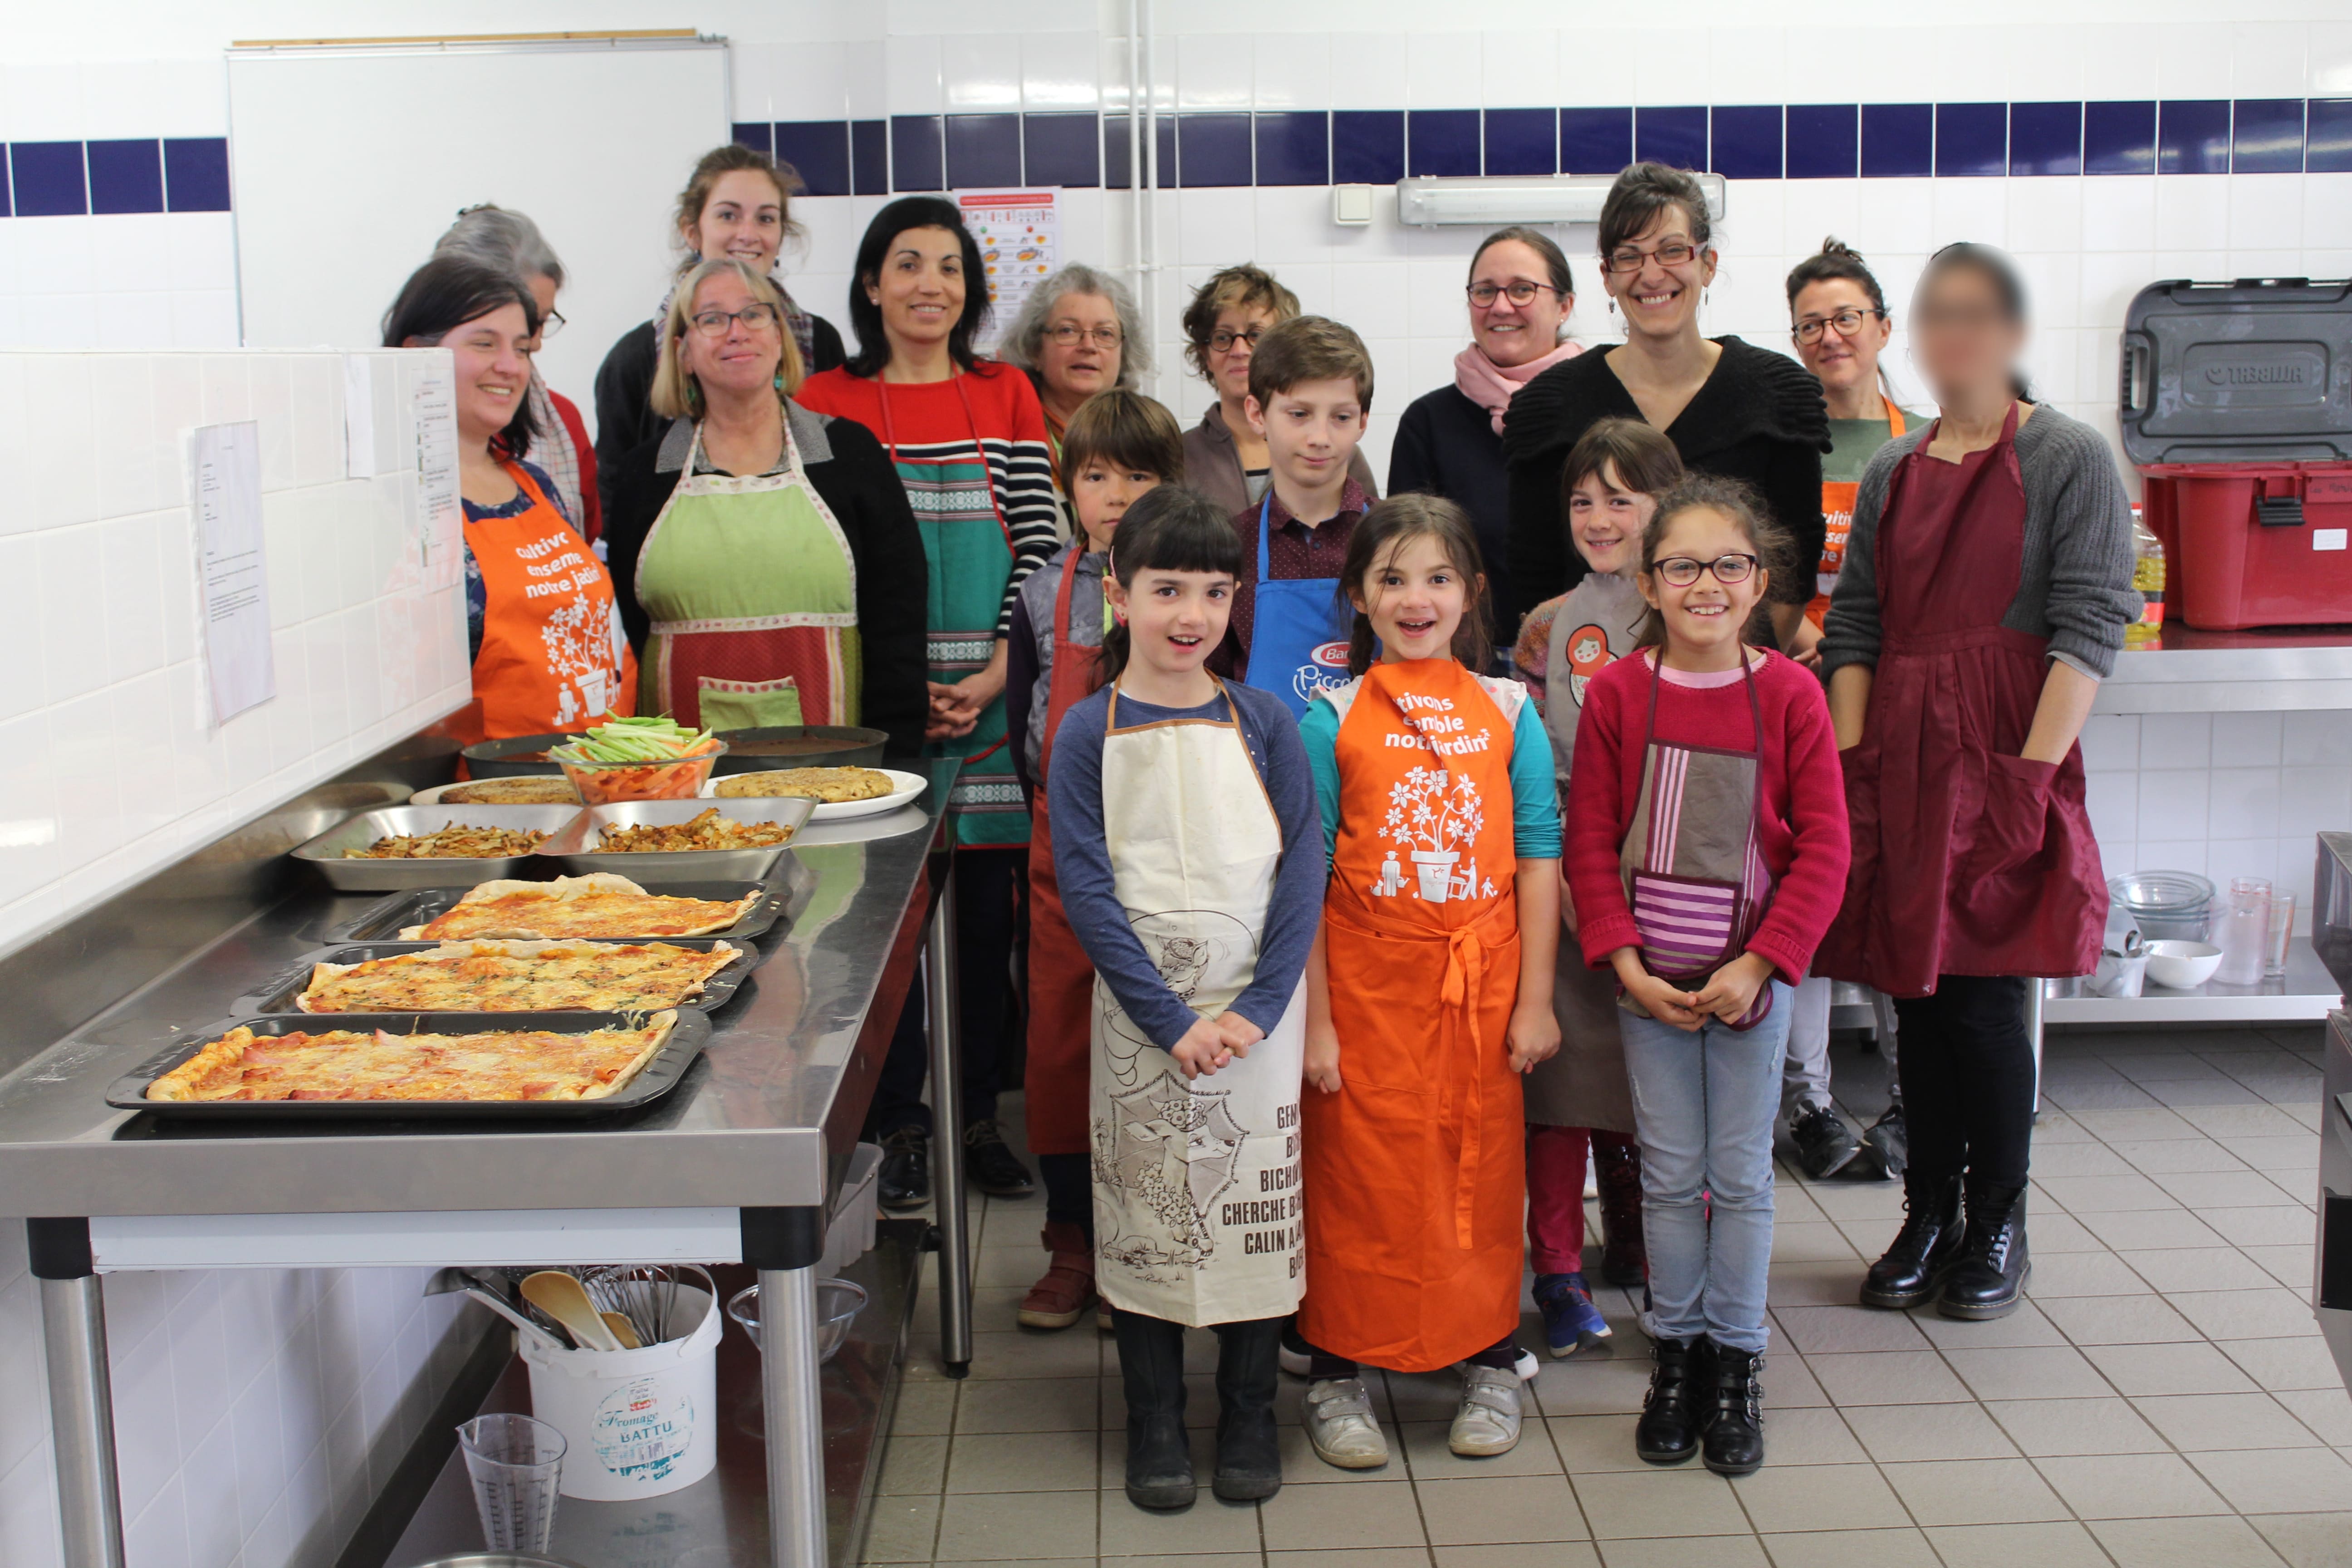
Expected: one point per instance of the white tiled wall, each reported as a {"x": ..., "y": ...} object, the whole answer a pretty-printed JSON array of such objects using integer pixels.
[
  {"x": 2222, "y": 794},
  {"x": 109, "y": 765}
]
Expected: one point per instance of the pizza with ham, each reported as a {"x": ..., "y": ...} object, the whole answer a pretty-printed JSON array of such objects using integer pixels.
[
  {"x": 353, "y": 1064},
  {"x": 603, "y": 904},
  {"x": 491, "y": 975}
]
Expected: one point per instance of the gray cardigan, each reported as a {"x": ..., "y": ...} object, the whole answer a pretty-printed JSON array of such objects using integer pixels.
[{"x": 2075, "y": 587}]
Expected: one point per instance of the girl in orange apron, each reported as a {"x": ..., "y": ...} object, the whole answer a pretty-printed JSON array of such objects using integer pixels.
[
  {"x": 551, "y": 654},
  {"x": 1431, "y": 991},
  {"x": 1118, "y": 446}
]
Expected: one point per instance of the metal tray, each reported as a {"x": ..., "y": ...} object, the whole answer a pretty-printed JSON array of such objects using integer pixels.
[
  {"x": 659, "y": 1076},
  {"x": 326, "y": 851},
  {"x": 574, "y": 850},
  {"x": 852, "y": 746},
  {"x": 279, "y": 995},
  {"x": 498, "y": 759},
  {"x": 386, "y": 919}
]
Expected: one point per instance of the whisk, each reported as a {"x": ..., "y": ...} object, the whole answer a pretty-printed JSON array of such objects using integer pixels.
[{"x": 644, "y": 1293}]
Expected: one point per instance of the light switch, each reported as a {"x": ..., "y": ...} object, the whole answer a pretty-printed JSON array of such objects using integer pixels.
[{"x": 1351, "y": 204}]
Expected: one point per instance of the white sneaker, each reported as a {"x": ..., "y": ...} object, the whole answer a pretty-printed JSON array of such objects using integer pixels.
[
  {"x": 1488, "y": 1421},
  {"x": 1341, "y": 1426}
]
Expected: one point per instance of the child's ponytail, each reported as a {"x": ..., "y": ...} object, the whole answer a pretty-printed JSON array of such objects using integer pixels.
[
  {"x": 1739, "y": 504},
  {"x": 1168, "y": 528}
]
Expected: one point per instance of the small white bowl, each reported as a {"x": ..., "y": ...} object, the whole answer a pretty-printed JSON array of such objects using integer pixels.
[{"x": 2182, "y": 966}]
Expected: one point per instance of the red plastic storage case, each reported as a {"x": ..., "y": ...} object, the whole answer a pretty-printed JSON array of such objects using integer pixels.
[{"x": 2253, "y": 545}]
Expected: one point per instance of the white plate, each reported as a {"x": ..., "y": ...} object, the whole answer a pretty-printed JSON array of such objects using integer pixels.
[
  {"x": 433, "y": 797},
  {"x": 907, "y": 787}
]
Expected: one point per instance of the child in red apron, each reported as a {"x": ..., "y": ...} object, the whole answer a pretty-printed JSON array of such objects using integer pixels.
[
  {"x": 1429, "y": 993},
  {"x": 1118, "y": 446},
  {"x": 1706, "y": 854},
  {"x": 1580, "y": 1099},
  {"x": 1185, "y": 852}
]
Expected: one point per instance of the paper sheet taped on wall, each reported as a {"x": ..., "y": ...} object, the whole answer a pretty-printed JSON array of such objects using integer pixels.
[
  {"x": 1020, "y": 236},
  {"x": 232, "y": 569},
  {"x": 432, "y": 401}
]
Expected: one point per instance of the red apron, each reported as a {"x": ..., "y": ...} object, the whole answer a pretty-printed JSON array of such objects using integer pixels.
[
  {"x": 1415, "y": 1171},
  {"x": 1061, "y": 979},
  {"x": 1967, "y": 859},
  {"x": 552, "y": 655},
  {"x": 1838, "y": 497}
]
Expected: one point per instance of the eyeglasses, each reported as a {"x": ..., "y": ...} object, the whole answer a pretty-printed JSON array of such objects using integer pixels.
[
  {"x": 1223, "y": 340},
  {"x": 1681, "y": 571},
  {"x": 1519, "y": 292},
  {"x": 1674, "y": 253},
  {"x": 551, "y": 324},
  {"x": 756, "y": 318},
  {"x": 1069, "y": 334},
  {"x": 1847, "y": 323}
]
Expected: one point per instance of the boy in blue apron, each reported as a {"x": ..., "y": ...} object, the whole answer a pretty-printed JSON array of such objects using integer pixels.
[{"x": 1310, "y": 391}]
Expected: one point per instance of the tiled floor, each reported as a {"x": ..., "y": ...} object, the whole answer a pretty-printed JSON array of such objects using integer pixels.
[{"x": 2162, "y": 1400}]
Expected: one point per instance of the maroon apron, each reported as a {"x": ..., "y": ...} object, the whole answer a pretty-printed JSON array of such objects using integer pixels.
[{"x": 1967, "y": 858}]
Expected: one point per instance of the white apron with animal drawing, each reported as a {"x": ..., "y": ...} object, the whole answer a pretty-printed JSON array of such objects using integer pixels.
[{"x": 1197, "y": 1214}]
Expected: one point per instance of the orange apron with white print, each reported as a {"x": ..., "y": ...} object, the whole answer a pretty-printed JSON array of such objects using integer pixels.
[
  {"x": 1838, "y": 498},
  {"x": 553, "y": 656},
  {"x": 1416, "y": 1169}
]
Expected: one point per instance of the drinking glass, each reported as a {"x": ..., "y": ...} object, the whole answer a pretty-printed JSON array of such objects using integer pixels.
[
  {"x": 2281, "y": 932},
  {"x": 2245, "y": 934},
  {"x": 515, "y": 1463}
]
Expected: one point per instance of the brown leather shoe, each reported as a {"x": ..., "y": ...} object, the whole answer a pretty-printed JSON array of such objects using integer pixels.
[{"x": 1068, "y": 1289}]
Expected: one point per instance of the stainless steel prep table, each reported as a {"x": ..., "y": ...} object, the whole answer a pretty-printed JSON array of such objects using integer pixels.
[{"x": 736, "y": 1164}]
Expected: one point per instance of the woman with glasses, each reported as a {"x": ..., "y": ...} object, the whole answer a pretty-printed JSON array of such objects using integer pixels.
[
  {"x": 1450, "y": 441},
  {"x": 1731, "y": 409},
  {"x": 1224, "y": 460},
  {"x": 491, "y": 234},
  {"x": 542, "y": 629},
  {"x": 1078, "y": 333},
  {"x": 1986, "y": 589},
  {"x": 1838, "y": 320}
]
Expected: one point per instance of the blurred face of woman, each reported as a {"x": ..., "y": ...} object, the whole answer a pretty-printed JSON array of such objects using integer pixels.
[
  {"x": 1657, "y": 277},
  {"x": 744, "y": 219},
  {"x": 1512, "y": 334},
  {"x": 1965, "y": 341},
  {"x": 743, "y": 356},
  {"x": 1239, "y": 327},
  {"x": 1842, "y": 360},
  {"x": 1080, "y": 354},
  {"x": 493, "y": 365},
  {"x": 921, "y": 288}
]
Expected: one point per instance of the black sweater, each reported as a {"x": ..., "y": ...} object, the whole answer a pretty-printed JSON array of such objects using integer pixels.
[
  {"x": 1446, "y": 446},
  {"x": 1759, "y": 418},
  {"x": 625, "y": 419},
  {"x": 849, "y": 470}
]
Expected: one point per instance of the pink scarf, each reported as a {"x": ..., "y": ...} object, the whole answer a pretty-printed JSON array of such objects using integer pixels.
[{"x": 1492, "y": 387}]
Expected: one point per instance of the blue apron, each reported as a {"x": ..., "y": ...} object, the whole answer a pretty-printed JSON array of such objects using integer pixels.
[{"x": 1298, "y": 636}]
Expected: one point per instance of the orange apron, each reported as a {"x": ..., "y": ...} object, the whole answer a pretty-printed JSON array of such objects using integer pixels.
[
  {"x": 553, "y": 656},
  {"x": 1838, "y": 498},
  {"x": 1061, "y": 978},
  {"x": 1416, "y": 1169}
]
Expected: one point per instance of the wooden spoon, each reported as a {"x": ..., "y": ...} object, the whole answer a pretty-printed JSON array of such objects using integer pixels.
[
  {"x": 565, "y": 1299},
  {"x": 623, "y": 1330}
]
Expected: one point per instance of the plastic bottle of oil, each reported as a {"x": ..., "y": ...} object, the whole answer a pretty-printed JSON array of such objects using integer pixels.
[{"x": 2148, "y": 576}]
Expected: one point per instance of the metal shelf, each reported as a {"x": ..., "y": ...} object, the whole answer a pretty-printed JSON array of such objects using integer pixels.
[
  {"x": 2297, "y": 669},
  {"x": 2305, "y": 993}
]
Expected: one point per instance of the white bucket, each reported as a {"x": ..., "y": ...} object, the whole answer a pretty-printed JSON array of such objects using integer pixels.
[{"x": 638, "y": 1422}]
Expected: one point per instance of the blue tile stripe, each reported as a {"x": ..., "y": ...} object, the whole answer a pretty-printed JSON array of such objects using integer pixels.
[{"x": 1226, "y": 148}]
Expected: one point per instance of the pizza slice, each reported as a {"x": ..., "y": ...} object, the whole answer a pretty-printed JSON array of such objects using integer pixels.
[
  {"x": 377, "y": 1065},
  {"x": 601, "y": 904},
  {"x": 492, "y": 975}
]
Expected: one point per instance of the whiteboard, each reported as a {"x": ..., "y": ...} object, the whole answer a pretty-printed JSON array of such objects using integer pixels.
[{"x": 348, "y": 163}]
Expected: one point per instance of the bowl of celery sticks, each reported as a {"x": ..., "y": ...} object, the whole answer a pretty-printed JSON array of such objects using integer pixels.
[{"x": 639, "y": 759}]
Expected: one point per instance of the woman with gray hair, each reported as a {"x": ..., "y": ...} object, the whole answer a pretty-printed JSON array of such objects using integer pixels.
[
  {"x": 1078, "y": 333},
  {"x": 510, "y": 241}
]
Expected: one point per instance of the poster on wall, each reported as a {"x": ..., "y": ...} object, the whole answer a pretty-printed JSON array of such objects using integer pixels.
[
  {"x": 232, "y": 573},
  {"x": 434, "y": 407},
  {"x": 1020, "y": 236}
]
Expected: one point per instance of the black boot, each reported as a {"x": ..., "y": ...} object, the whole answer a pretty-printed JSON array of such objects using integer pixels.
[
  {"x": 1667, "y": 1432},
  {"x": 1249, "y": 1456},
  {"x": 1734, "y": 1420},
  {"x": 1924, "y": 1250},
  {"x": 1151, "y": 1365},
  {"x": 906, "y": 1179},
  {"x": 1987, "y": 1279}
]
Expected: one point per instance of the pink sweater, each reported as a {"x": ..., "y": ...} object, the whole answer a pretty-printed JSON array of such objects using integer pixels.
[{"x": 1802, "y": 834}]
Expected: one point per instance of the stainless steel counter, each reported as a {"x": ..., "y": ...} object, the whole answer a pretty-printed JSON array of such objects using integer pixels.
[{"x": 2266, "y": 671}]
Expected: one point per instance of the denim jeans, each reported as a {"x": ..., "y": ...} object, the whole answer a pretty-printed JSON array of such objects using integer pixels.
[{"x": 1702, "y": 1107}]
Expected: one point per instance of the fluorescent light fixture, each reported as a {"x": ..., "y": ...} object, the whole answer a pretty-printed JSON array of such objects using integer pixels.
[{"x": 1520, "y": 199}]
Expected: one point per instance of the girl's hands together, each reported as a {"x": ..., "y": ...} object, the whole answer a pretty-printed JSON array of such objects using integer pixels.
[
  {"x": 1202, "y": 1050},
  {"x": 1533, "y": 1036},
  {"x": 1239, "y": 1033},
  {"x": 1663, "y": 1002},
  {"x": 1730, "y": 991},
  {"x": 1323, "y": 1058}
]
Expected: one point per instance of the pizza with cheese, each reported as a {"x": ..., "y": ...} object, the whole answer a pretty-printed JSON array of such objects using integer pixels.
[
  {"x": 352, "y": 1064},
  {"x": 603, "y": 904},
  {"x": 498, "y": 976}
]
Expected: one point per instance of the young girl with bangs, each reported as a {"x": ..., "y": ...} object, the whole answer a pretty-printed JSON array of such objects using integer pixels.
[
  {"x": 1429, "y": 993},
  {"x": 1706, "y": 856}
]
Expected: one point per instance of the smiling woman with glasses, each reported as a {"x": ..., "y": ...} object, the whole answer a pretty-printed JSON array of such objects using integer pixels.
[
  {"x": 1078, "y": 332},
  {"x": 1731, "y": 409}
]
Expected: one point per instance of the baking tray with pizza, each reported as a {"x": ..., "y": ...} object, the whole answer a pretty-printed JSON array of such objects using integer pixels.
[
  {"x": 411, "y": 1065},
  {"x": 498, "y": 974},
  {"x": 604, "y": 904}
]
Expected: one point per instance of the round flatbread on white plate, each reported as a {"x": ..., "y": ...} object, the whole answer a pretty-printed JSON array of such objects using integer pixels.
[{"x": 904, "y": 787}]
